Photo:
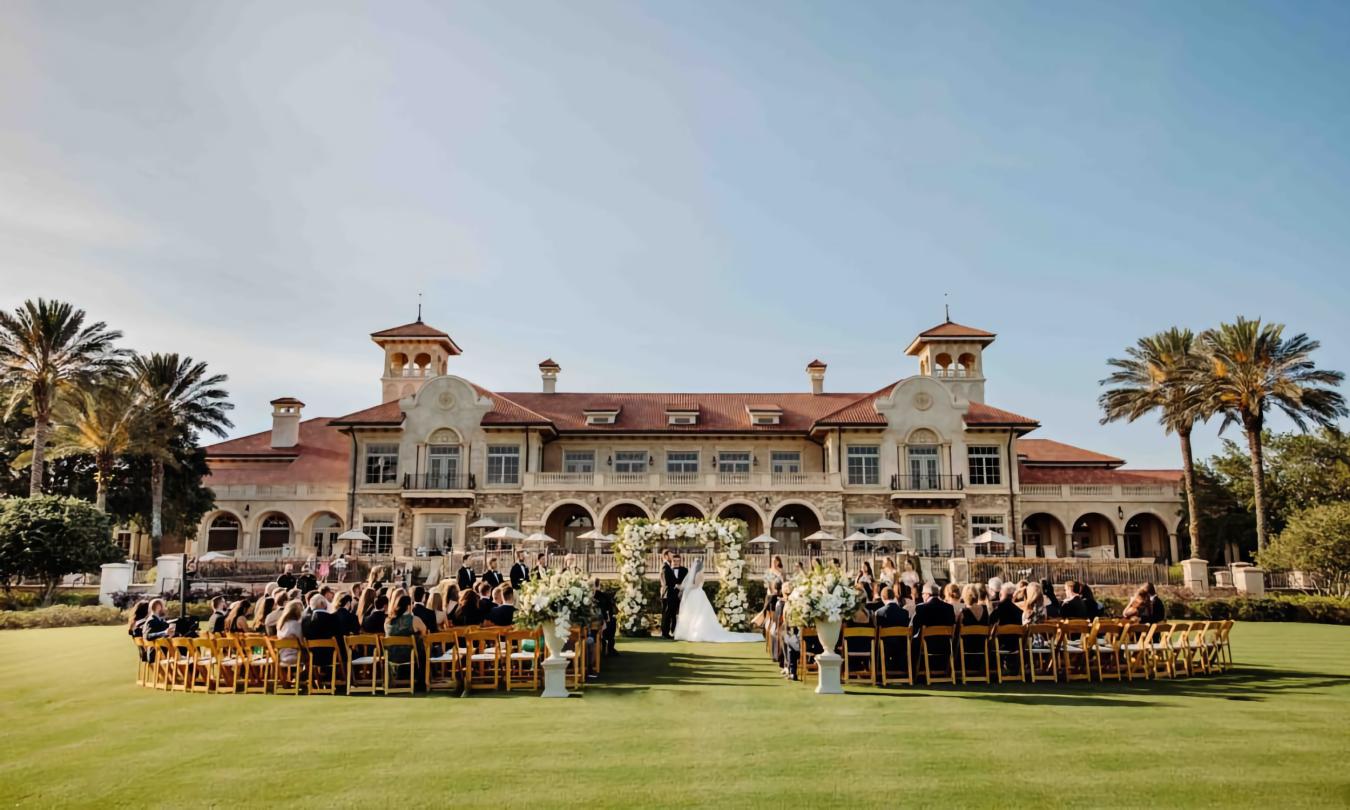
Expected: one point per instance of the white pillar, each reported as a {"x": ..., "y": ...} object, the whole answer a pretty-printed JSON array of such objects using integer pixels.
[
  {"x": 555, "y": 677},
  {"x": 1195, "y": 575},
  {"x": 113, "y": 577},
  {"x": 1120, "y": 546},
  {"x": 958, "y": 568},
  {"x": 1172, "y": 543},
  {"x": 1249, "y": 580},
  {"x": 169, "y": 572}
]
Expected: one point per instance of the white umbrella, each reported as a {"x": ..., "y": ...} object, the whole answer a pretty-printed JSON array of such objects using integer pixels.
[
  {"x": 991, "y": 536},
  {"x": 212, "y": 556},
  {"x": 820, "y": 537},
  {"x": 858, "y": 537},
  {"x": 889, "y": 536},
  {"x": 484, "y": 523},
  {"x": 504, "y": 533},
  {"x": 540, "y": 538},
  {"x": 593, "y": 534},
  {"x": 884, "y": 523},
  {"x": 762, "y": 540}
]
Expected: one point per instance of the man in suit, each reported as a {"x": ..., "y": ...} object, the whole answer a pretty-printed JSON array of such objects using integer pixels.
[
  {"x": 609, "y": 614},
  {"x": 485, "y": 603},
  {"x": 216, "y": 624},
  {"x": 933, "y": 612},
  {"x": 672, "y": 574},
  {"x": 891, "y": 613},
  {"x": 420, "y": 609},
  {"x": 1073, "y": 606},
  {"x": 466, "y": 576},
  {"x": 1006, "y": 610},
  {"x": 1157, "y": 611},
  {"x": 492, "y": 576},
  {"x": 321, "y": 624},
  {"x": 504, "y": 615},
  {"x": 520, "y": 571},
  {"x": 286, "y": 580}
]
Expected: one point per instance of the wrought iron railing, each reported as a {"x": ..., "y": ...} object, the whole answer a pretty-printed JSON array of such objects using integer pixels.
[
  {"x": 440, "y": 481},
  {"x": 927, "y": 483}
]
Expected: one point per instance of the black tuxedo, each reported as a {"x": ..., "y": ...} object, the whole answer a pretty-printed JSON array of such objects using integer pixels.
[
  {"x": 322, "y": 625},
  {"x": 891, "y": 614},
  {"x": 502, "y": 615},
  {"x": 1075, "y": 607},
  {"x": 427, "y": 615},
  {"x": 671, "y": 579},
  {"x": 934, "y": 613},
  {"x": 347, "y": 621},
  {"x": 1157, "y": 611},
  {"x": 519, "y": 573},
  {"x": 374, "y": 622},
  {"x": 286, "y": 581},
  {"x": 1007, "y": 612},
  {"x": 465, "y": 577},
  {"x": 493, "y": 578}
]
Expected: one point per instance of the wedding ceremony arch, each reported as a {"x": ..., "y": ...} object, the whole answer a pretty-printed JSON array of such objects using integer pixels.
[{"x": 723, "y": 540}]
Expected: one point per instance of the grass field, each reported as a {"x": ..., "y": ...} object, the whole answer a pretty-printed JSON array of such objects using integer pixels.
[{"x": 682, "y": 724}]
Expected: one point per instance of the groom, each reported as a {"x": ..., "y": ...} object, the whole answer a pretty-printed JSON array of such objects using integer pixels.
[{"x": 673, "y": 573}]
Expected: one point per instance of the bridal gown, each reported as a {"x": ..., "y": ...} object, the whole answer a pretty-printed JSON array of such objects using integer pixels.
[{"x": 697, "y": 621}]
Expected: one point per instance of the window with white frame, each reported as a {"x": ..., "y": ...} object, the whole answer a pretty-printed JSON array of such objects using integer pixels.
[
  {"x": 380, "y": 530},
  {"x": 926, "y": 531},
  {"x": 438, "y": 533},
  {"x": 381, "y": 463},
  {"x": 983, "y": 461},
  {"x": 503, "y": 464},
  {"x": 579, "y": 461},
  {"x": 786, "y": 461},
  {"x": 630, "y": 461},
  {"x": 682, "y": 462},
  {"x": 864, "y": 465},
  {"x": 979, "y": 524},
  {"x": 733, "y": 461}
]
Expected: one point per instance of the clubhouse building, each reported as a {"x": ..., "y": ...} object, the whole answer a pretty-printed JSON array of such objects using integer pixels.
[{"x": 438, "y": 453}]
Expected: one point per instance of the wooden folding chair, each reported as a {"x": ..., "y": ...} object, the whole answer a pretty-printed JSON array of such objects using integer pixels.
[
  {"x": 1110, "y": 638},
  {"x": 576, "y": 658},
  {"x": 144, "y": 669},
  {"x": 941, "y": 639},
  {"x": 1225, "y": 646},
  {"x": 363, "y": 663},
  {"x": 1162, "y": 651},
  {"x": 520, "y": 664},
  {"x": 183, "y": 668},
  {"x": 893, "y": 646},
  {"x": 1043, "y": 646},
  {"x": 442, "y": 661},
  {"x": 1193, "y": 659},
  {"x": 483, "y": 662},
  {"x": 261, "y": 664},
  {"x": 205, "y": 665},
  {"x": 806, "y": 665},
  {"x": 162, "y": 657},
  {"x": 1137, "y": 645},
  {"x": 859, "y": 664},
  {"x": 973, "y": 645},
  {"x": 400, "y": 664},
  {"x": 287, "y": 676},
  {"x": 1010, "y": 646},
  {"x": 1078, "y": 644},
  {"x": 232, "y": 663},
  {"x": 324, "y": 670}
]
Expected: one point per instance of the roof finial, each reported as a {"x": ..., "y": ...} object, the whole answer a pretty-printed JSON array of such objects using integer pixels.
[
  {"x": 419, "y": 308},
  {"x": 947, "y": 307}
]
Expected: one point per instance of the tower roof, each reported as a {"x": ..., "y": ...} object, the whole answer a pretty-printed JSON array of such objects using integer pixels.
[
  {"x": 949, "y": 330},
  {"x": 417, "y": 330}
]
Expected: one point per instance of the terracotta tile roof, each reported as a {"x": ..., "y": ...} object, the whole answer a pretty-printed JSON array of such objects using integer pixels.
[
  {"x": 322, "y": 456},
  {"x": 414, "y": 329},
  {"x": 1094, "y": 475},
  {"x": 548, "y": 362},
  {"x": 816, "y": 364},
  {"x": 861, "y": 412},
  {"x": 1048, "y": 451},
  {"x": 286, "y": 401},
  {"x": 504, "y": 412},
  {"x": 647, "y": 412},
  {"x": 954, "y": 330},
  {"x": 982, "y": 414}
]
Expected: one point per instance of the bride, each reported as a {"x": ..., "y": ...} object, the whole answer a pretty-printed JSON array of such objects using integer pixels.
[{"x": 697, "y": 621}]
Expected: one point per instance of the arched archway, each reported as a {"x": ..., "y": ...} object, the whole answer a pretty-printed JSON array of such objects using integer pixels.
[
  {"x": 1093, "y": 531},
  {"x": 682, "y": 509},
  {"x": 792, "y": 523},
  {"x": 223, "y": 533},
  {"x": 1043, "y": 534},
  {"x": 274, "y": 531},
  {"x": 324, "y": 528},
  {"x": 740, "y": 510},
  {"x": 1146, "y": 536},
  {"x": 620, "y": 510},
  {"x": 566, "y": 521}
]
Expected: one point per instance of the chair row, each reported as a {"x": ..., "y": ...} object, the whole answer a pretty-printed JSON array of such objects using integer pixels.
[
  {"x": 1066, "y": 650},
  {"x": 469, "y": 658}
]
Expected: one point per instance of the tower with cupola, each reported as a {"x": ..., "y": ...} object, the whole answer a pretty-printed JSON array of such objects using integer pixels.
[
  {"x": 413, "y": 353},
  {"x": 954, "y": 354}
]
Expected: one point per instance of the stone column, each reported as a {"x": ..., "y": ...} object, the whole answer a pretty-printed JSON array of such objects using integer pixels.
[
  {"x": 1172, "y": 543},
  {"x": 113, "y": 577},
  {"x": 1249, "y": 580},
  {"x": 1195, "y": 575},
  {"x": 169, "y": 572},
  {"x": 1120, "y": 546},
  {"x": 958, "y": 568}
]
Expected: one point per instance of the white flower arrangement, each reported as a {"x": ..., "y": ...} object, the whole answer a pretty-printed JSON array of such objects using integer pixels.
[
  {"x": 723, "y": 540},
  {"x": 562, "y": 596},
  {"x": 822, "y": 593}
]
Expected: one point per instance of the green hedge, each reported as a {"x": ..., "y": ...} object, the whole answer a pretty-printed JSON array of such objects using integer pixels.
[
  {"x": 27, "y": 600},
  {"x": 60, "y": 616},
  {"x": 1282, "y": 608}
]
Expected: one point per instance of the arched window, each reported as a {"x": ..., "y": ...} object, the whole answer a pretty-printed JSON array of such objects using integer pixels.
[
  {"x": 223, "y": 534},
  {"x": 274, "y": 532}
]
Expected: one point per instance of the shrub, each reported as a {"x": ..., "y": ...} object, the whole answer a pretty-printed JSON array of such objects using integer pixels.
[
  {"x": 1317, "y": 542},
  {"x": 60, "y": 616},
  {"x": 1277, "y": 608},
  {"x": 47, "y": 537}
]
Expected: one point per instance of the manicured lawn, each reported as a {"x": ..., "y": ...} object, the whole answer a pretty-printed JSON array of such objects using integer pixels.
[{"x": 680, "y": 724}]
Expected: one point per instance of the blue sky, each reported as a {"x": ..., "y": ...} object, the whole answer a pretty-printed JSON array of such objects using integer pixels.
[{"x": 678, "y": 196}]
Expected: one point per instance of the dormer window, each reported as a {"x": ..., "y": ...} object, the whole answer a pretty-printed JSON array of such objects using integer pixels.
[
  {"x": 602, "y": 415},
  {"x": 764, "y": 414},
  {"x": 682, "y": 414}
]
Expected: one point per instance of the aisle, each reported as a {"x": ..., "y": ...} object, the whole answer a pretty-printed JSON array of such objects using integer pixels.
[{"x": 661, "y": 664}]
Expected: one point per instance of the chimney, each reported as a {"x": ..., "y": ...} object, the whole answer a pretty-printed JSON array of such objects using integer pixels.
[
  {"x": 816, "y": 371},
  {"x": 548, "y": 371},
  {"x": 286, "y": 422}
]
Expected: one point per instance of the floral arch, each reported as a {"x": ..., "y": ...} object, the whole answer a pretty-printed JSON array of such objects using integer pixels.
[{"x": 722, "y": 539}]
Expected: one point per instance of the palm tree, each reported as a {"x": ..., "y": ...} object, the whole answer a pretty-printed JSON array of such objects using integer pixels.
[
  {"x": 46, "y": 352},
  {"x": 177, "y": 394},
  {"x": 98, "y": 423},
  {"x": 1252, "y": 368},
  {"x": 1161, "y": 373}
]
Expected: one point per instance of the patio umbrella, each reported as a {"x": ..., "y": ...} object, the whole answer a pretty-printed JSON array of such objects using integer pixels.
[
  {"x": 762, "y": 540},
  {"x": 484, "y": 523},
  {"x": 991, "y": 536},
  {"x": 859, "y": 537},
  {"x": 505, "y": 533},
  {"x": 593, "y": 534},
  {"x": 884, "y": 523},
  {"x": 889, "y": 536},
  {"x": 212, "y": 556},
  {"x": 355, "y": 536},
  {"x": 820, "y": 537}
]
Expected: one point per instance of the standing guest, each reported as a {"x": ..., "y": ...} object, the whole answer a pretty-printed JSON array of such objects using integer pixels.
[
  {"x": 347, "y": 622},
  {"x": 888, "y": 573},
  {"x": 420, "y": 609},
  {"x": 570, "y": 562},
  {"x": 436, "y": 602},
  {"x": 287, "y": 578},
  {"x": 520, "y": 571},
  {"x": 340, "y": 566},
  {"x": 236, "y": 621},
  {"x": 1157, "y": 611},
  {"x": 974, "y": 612},
  {"x": 466, "y": 612},
  {"x": 504, "y": 613},
  {"x": 291, "y": 625},
  {"x": 156, "y": 626},
  {"x": 492, "y": 576},
  {"x": 1139, "y": 609},
  {"x": 1073, "y": 606},
  {"x": 139, "y": 614},
  {"x": 910, "y": 577},
  {"x": 863, "y": 580},
  {"x": 775, "y": 573},
  {"x": 465, "y": 576},
  {"x": 306, "y": 581},
  {"x": 216, "y": 624},
  {"x": 891, "y": 613},
  {"x": 374, "y": 621},
  {"x": 798, "y": 569},
  {"x": 608, "y": 611},
  {"x": 1006, "y": 610}
]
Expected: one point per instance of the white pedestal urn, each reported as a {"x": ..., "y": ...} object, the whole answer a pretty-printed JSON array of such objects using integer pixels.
[
  {"x": 555, "y": 666},
  {"x": 828, "y": 662}
]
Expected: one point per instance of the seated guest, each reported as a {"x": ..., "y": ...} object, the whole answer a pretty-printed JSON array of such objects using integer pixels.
[
  {"x": 466, "y": 612},
  {"x": 933, "y": 612},
  {"x": 287, "y": 578},
  {"x": 1051, "y": 601},
  {"x": 357, "y": 588},
  {"x": 891, "y": 613},
  {"x": 485, "y": 602},
  {"x": 236, "y": 620},
  {"x": 451, "y": 599},
  {"x": 375, "y": 619},
  {"x": 436, "y": 603},
  {"x": 504, "y": 614},
  {"x": 907, "y": 599},
  {"x": 951, "y": 594},
  {"x": 347, "y": 622},
  {"x": 974, "y": 613},
  {"x": 1034, "y": 609},
  {"x": 290, "y": 625},
  {"x": 273, "y": 617},
  {"x": 1007, "y": 611},
  {"x": 366, "y": 603},
  {"x": 1138, "y": 609},
  {"x": 1157, "y": 611},
  {"x": 420, "y": 609},
  {"x": 139, "y": 614},
  {"x": 860, "y": 618},
  {"x": 156, "y": 626},
  {"x": 215, "y": 625},
  {"x": 402, "y": 622},
  {"x": 993, "y": 591},
  {"x": 320, "y": 625},
  {"x": 1090, "y": 600},
  {"x": 262, "y": 610},
  {"x": 1073, "y": 606}
]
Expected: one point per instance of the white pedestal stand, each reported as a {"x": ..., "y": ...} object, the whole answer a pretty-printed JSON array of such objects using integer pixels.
[
  {"x": 555, "y": 677},
  {"x": 829, "y": 663}
]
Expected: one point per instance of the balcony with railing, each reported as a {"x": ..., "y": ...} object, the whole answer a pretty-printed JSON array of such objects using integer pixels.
[
  {"x": 698, "y": 481},
  {"x": 1098, "y": 492},
  {"x": 927, "y": 483},
  {"x": 425, "y": 483}
]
